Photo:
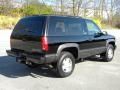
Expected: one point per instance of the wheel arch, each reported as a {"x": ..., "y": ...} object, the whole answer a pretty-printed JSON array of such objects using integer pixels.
[
  {"x": 73, "y": 48},
  {"x": 112, "y": 42}
]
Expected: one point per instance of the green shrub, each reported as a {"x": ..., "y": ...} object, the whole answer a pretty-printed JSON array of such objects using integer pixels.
[
  {"x": 36, "y": 10},
  {"x": 7, "y": 21},
  {"x": 97, "y": 21}
]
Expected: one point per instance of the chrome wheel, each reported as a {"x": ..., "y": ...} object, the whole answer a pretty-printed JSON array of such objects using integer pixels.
[
  {"x": 110, "y": 53},
  {"x": 67, "y": 65}
]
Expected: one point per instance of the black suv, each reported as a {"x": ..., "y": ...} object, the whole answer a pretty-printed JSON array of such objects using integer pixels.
[{"x": 59, "y": 41}]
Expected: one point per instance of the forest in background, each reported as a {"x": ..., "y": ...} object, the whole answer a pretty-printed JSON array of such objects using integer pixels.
[{"x": 106, "y": 13}]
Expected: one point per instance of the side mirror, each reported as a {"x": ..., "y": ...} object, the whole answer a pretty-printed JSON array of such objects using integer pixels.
[
  {"x": 98, "y": 34},
  {"x": 105, "y": 32}
]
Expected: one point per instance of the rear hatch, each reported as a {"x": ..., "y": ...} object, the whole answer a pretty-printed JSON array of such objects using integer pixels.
[{"x": 27, "y": 34}]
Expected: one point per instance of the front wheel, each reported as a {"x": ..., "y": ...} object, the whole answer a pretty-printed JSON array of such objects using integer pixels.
[
  {"x": 109, "y": 54},
  {"x": 65, "y": 64}
]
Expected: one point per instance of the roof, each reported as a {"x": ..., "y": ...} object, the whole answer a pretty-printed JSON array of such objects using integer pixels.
[{"x": 56, "y": 15}]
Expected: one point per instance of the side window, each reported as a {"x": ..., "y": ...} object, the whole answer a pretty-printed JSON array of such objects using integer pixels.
[
  {"x": 75, "y": 27},
  {"x": 56, "y": 27},
  {"x": 59, "y": 26},
  {"x": 92, "y": 27}
]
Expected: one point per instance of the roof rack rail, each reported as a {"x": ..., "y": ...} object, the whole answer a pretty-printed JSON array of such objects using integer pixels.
[{"x": 57, "y": 15}]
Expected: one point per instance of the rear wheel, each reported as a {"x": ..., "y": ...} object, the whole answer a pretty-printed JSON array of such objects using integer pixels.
[
  {"x": 109, "y": 54},
  {"x": 65, "y": 64}
]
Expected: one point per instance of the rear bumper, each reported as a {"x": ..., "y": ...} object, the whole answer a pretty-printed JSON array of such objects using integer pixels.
[{"x": 38, "y": 59}]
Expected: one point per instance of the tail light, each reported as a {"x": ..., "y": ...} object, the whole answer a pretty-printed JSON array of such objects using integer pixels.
[{"x": 44, "y": 43}]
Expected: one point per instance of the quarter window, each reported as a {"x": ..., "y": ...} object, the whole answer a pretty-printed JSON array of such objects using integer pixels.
[{"x": 57, "y": 27}]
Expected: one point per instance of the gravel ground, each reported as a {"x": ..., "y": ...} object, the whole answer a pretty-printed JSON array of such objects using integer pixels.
[{"x": 88, "y": 75}]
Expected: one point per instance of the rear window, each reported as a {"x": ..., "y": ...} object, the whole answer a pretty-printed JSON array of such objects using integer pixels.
[{"x": 30, "y": 26}]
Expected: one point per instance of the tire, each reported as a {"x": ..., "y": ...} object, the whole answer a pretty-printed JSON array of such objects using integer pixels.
[
  {"x": 109, "y": 54},
  {"x": 65, "y": 64}
]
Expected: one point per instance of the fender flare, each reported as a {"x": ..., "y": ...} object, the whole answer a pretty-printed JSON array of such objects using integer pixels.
[
  {"x": 67, "y": 45},
  {"x": 109, "y": 40}
]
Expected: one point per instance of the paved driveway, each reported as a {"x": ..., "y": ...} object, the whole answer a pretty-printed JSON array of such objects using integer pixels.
[{"x": 88, "y": 75}]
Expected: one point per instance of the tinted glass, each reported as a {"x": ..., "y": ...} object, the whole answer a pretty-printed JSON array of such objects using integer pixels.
[
  {"x": 65, "y": 26},
  {"x": 29, "y": 26},
  {"x": 57, "y": 26},
  {"x": 75, "y": 27},
  {"x": 92, "y": 27}
]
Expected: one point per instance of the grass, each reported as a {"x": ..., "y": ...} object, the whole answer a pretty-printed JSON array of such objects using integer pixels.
[{"x": 7, "y": 22}]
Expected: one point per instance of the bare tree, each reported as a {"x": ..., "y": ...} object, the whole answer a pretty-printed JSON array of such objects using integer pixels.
[
  {"x": 6, "y": 6},
  {"x": 79, "y": 7}
]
